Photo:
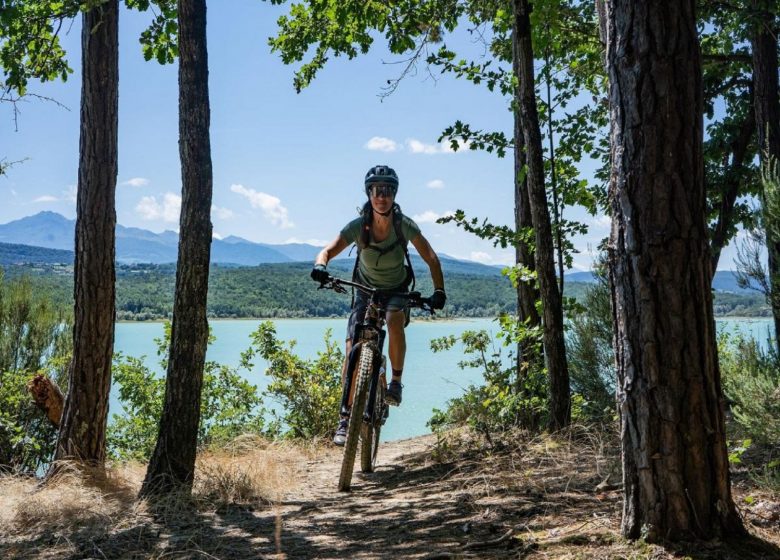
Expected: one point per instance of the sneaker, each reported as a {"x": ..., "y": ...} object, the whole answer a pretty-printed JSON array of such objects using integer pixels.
[
  {"x": 394, "y": 393},
  {"x": 341, "y": 432}
]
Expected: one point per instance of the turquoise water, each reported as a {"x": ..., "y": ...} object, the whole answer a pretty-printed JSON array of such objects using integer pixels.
[{"x": 429, "y": 379}]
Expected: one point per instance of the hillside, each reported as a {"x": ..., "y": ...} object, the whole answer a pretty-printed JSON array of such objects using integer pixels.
[{"x": 145, "y": 291}]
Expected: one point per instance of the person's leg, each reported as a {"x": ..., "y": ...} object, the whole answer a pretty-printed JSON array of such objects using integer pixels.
[{"x": 396, "y": 320}]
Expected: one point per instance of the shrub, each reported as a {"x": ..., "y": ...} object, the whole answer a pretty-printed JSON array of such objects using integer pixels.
[
  {"x": 590, "y": 355},
  {"x": 309, "y": 391},
  {"x": 751, "y": 382},
  {"x": 505, "y": 399},
  {"x": 35, "y": 335},
  {"x": 230, "y": 405}
]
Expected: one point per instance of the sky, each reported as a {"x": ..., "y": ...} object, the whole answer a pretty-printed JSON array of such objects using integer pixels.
[{"x": 287, "y": 167}]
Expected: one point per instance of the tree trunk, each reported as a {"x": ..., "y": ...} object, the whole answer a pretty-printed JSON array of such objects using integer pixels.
[
  {"x": 173, "y": 462},
  {"x": 767, "y": 107},
  {"x": 675, "y": 465},
  {"x": 527, "y": 294},
  {"x": 552, "y": 310},
  {"x": 83, "y": 429}
]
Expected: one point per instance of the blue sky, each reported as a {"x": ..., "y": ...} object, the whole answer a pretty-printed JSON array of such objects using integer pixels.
[{"x": 287, "y": 167}]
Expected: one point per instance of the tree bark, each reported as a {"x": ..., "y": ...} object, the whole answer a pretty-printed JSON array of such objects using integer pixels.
[
  {"x": 527, "y": 293},
  {"x": 173, "y": 462},
  {"x": 767, "y": 107},
  {"x": 552, "y": 310},
  {"x": 47, "y": 396},
  {"x": 675, "y": 465},
  {"x": 83, "y": 430}
]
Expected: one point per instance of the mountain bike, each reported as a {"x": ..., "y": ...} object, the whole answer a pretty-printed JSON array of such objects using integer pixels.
[{"x": 365, "y": 369}]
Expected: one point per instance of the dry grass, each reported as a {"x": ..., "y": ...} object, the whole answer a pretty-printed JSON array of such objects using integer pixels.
[{"x": 81, "y": 515}]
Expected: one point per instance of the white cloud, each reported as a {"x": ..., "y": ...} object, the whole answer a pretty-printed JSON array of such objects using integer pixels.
[
  {"x": 216, "y": 235},
  {"x": 221, "y": 213},
  {"x": 417, "y": 147},
  {"x": 270, "y": 205},
  {"x": 46, "y": 198},
  {"x": 603, "y": 222},
  {"x": 481, "y": 257},
  {"x": 136, "y": 182},
  {"x": 382, "y": 144},
  {"x": 315, "y": 242},
  {"x": 430, "y": 217},
  {"x": 435, "y": 184},
  {"x": 168, "y": 210}
]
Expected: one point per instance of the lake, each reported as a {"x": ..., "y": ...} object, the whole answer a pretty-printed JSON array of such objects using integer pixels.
[{"x": 430, "y": 379}]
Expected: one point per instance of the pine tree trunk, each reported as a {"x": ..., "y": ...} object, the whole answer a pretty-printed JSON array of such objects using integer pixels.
[
  {"x": 527, "y": 294},
  {"x": 552, "y": 310},
  {"x": 767, "y": 107},
  {"x": 675, "y": 466},
  {"x": 173, "y": 462},
  {"x": 82, "y": 433}
]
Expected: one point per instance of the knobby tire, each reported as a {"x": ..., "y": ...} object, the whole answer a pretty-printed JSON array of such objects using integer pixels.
[
  {"x": 369, "y": 435},
  {"x": 364, "y": 367}
]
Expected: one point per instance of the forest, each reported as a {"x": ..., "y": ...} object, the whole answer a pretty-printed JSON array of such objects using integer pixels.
[{"x": 612, "y": 420}]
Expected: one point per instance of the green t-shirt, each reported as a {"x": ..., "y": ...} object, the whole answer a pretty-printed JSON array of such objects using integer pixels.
[{"x": 386, "y": 271}]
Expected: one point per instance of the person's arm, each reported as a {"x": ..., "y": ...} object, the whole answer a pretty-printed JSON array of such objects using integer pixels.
[
  {"x": 429, "y": 256},
  {"x": 330, "y": 251}
]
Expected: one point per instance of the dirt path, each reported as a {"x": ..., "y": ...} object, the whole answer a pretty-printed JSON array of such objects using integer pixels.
[
  {"x": 541, "y": 498},
  {"x": 414, "y": 507}
]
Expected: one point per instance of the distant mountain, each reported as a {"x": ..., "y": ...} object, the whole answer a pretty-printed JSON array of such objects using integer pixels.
[
  {"x": 724, "y": 281},
  {"x": 136, "y": 245}
]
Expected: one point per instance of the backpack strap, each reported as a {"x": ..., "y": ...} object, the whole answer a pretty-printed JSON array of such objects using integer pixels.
[{"x": 400, "y": 239}]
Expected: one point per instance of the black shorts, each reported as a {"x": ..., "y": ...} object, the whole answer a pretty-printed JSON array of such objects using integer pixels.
[{"x": 395, "y": 303}]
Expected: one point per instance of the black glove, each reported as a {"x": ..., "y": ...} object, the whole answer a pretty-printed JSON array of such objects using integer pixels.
[
  {"x": 319, "y": 274},
  {"x": 438, "y": 299}
]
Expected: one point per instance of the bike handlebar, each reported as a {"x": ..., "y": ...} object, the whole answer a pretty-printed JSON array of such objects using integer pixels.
[{"x": 415, "y": 299}]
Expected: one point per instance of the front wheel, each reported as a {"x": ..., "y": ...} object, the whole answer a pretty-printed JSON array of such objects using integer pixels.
[
  {"x": 365, "y": 365},
  {"x": 369, "y": 435}
]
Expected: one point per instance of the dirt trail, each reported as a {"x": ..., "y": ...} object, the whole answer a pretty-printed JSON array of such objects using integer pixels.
[{"x": 414, "y": 507}]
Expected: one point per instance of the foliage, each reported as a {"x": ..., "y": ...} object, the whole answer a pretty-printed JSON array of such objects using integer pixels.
[
  {"x": 230, "y": 405},
  {"x": 750, "y": 253},
  {"x": 751, "y": 382},
  {"x": 589, "y": 351},
  {"x": 35, "y": 335},
  {"x": 508, "y": 398},
  {"x": 308, "y": 391}
]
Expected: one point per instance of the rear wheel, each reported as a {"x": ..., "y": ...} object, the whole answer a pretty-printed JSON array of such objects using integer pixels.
[
  {"x": 369, "y": 435},
  {"x": 363, "y": 376}
]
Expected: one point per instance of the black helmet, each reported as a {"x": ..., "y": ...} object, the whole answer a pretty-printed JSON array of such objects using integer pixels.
[{"x": 381, "y": 174}]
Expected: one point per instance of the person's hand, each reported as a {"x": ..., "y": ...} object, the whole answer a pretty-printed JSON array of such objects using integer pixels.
[
  {"x": 438, "y": 299},
  {"x": 319, "y": 274}
]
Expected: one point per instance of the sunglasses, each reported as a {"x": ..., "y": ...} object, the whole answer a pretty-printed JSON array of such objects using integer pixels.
[{"x": 383, "y": 190}]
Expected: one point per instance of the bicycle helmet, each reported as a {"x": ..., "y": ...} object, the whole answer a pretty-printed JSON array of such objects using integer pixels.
[{"x": 381, "y": 174}]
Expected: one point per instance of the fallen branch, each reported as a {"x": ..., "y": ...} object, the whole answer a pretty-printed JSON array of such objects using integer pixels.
[
  {"x": 48, "y": 397},
  {"x": 491, "y": 543}
]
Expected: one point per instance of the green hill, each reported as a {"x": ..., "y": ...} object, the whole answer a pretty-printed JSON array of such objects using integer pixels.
[{"x": 145, "y": 291}]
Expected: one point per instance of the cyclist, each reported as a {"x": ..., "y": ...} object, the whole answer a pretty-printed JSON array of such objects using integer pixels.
[{"x": 381, "y": 233}]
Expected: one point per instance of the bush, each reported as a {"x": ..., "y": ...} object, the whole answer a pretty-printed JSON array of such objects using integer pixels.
[
  {"x": 230, "y": 405},
  {"x": 309, "y": 391},
  {"x": 35, "y": 335},
  {"x": 751, "y": 382},
  {"x": 590, "y": 355},
  {"x": 504, "y": 401}
]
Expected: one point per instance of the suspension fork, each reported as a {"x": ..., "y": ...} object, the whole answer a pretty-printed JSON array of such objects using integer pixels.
[{"x": 352, "y": 360}]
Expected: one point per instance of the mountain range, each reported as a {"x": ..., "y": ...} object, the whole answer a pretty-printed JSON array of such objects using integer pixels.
[{"x": 48, "y": 237}]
